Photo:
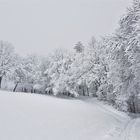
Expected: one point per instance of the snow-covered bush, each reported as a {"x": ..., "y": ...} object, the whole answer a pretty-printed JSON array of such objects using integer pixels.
[{"x": 121, "y": 103}]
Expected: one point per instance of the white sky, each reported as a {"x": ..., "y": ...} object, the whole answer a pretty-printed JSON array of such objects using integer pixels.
[{"x": 40, "y": 26}]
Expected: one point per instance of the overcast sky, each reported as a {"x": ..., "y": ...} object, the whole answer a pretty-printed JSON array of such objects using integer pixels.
[{"x": 40, "y": 26}]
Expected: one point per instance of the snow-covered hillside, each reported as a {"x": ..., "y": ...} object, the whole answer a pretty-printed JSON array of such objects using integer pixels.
[{"x": 39, "y": 117}]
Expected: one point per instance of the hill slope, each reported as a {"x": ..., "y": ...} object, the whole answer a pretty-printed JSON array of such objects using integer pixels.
[{"x": 38, "y": 117}]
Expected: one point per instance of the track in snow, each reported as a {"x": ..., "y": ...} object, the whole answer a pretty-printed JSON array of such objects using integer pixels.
[{"x": 132, "y": 130}]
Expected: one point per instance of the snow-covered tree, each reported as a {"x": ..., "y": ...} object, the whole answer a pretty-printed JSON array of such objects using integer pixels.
[
  {"x": 123, "y": 57},
  {"x": 26, "y": 71},
  {"x": 130, "y": 27},
  {"x": 58, "y": 72},
  {"x": 7, "y": 59},
  {"x": 79, "y": 47}
]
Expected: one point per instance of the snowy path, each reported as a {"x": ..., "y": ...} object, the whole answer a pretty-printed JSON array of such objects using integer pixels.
[
  {"x": 132, "y": 130},
  {"x": 38, "y": 117}
]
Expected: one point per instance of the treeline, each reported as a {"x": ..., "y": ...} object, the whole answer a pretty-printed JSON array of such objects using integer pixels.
[{"x": 108, "y": 69}]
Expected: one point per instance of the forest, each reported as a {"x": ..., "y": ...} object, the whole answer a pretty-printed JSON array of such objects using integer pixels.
[{"x": 107, "y": 68}]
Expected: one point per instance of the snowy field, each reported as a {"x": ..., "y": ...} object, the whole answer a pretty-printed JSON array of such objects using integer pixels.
[{"x": 39, "y": 117}]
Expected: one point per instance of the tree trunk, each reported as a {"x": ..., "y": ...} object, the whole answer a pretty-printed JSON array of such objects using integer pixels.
[
  {"x": 15, "y": 87},
  {"x": 83, "y": 91},
  {"x": 134, "y": 109},
  {"x": 0, "y": 81},
  {"x": 87, "y": 91}
]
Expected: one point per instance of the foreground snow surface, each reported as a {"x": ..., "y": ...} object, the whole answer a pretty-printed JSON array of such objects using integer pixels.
[{"x": 38, "y": 117}]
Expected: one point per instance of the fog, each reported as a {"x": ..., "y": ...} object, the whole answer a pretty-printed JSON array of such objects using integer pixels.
[{"x": 40, "y": 26}]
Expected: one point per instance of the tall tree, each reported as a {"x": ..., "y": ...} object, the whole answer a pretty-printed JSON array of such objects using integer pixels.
[{"x": 7, "y": 59}]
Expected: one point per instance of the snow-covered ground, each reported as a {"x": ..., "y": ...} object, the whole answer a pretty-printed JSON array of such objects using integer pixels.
[{"x": 38, "y": 117}]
